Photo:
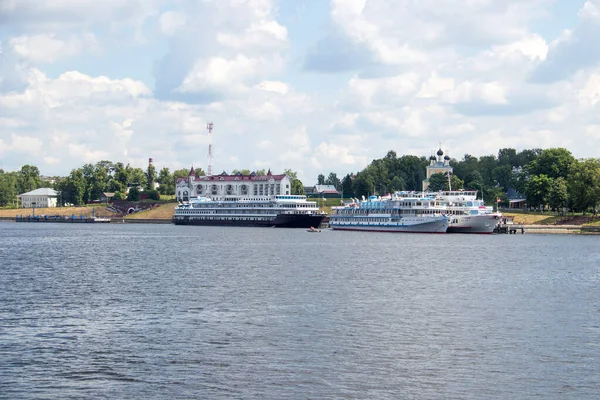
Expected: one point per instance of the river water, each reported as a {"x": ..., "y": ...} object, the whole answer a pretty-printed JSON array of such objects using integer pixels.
[{"x": 160, "y": 311}]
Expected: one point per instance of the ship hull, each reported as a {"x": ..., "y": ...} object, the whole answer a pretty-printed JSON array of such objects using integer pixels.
[
  {"x": 439, "y": 226},
  {"x": 478, "y": 224},
  {"x": 280, "y": 221}
]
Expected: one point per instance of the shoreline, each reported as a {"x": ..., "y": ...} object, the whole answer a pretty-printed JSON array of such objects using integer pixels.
[{"x": 527, "y": 229}]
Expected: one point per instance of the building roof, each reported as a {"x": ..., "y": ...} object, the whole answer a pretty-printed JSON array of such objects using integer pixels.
[
  {"x": 41, "y": 192},
  {"x": 252, "y": 177},
  {"x": 325, "y": 189}
]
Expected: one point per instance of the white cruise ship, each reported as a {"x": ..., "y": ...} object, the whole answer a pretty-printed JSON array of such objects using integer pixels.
[
  {"x": 243, "y": 200},
  {"x": 467, "y": 214},
  {"x": 401, "y": 212}
]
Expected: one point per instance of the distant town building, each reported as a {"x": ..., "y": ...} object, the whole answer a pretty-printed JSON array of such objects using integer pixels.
[
  {"x": 325, "y": 189},
  {"x": 224, "y": 186},
  {"x": 39, "y": 198},
  {"x": 107, "y": 197},
  {"x": 437, "y": 165}
]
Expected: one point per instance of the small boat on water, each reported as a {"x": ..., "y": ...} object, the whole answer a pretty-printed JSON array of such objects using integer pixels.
[{"x": 312, "y": 229}]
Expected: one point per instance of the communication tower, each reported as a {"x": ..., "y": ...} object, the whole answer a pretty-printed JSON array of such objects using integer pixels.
[{"x": 209, "y": 126}]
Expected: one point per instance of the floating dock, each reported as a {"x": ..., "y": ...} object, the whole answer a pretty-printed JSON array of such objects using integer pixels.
[
  {"x": 60, "y": 218},
  {"x": 509, "y": 228}
]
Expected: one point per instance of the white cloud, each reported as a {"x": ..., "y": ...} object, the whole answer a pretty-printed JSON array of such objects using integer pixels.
[
  {"x": 47, "y": 48},
  {"x": 406, "y": 31},
  {"x": 23, "y": 144},
  {"x": 172, "y": 22},
  {"x": 225, "y": 75},
  {"x": 274, "y": 86},
  {"x": 589, "y": 94},
  {"x": 413, "y": 73},
  {"x": 237, "y": 44},
  {"x": 64, "y": 15}
]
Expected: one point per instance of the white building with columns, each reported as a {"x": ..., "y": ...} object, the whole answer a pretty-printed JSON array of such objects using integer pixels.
[{"x": 224, "y": 186}]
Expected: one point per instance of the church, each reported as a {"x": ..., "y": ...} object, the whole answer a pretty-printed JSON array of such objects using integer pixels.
[{"x": 437, "y": 165}]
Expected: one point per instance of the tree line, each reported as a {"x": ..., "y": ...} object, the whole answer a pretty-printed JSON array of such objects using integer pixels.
[
  {"x": 89, "y": 183},
  {"x": 550, "y": 178}
]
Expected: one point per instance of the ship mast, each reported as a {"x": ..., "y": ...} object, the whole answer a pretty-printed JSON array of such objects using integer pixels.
[{"x": 209, "y": 126}]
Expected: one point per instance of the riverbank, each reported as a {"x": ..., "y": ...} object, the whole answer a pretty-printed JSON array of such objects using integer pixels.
[{"x": 163, "y": 213}]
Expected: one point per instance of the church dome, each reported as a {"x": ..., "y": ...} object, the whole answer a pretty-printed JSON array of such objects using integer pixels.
[{"x": 440, "y": 152}]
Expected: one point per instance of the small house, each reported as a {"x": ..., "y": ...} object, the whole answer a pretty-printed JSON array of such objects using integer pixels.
[{"x": 39, "y": 198}]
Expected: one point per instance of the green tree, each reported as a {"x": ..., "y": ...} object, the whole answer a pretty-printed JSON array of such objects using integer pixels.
[
  {"x": 411, "y": 170},
  {"x": 180, "y": 173},
  {"x": 241, "y": 171},
  {"x": 363, "y": 183},
  {"x": 553, "y": 163},
  {"x": 100, "y": 180},
  {"x": 321, "y": 179},
  {"x": 439, "y": 182},
  {"x": 152, "y": 194},
  {"x": 503, "y": 175},
  {"x": 73, "y": 188},
  {"x": 487, "y": 164},
  {"x": 347, "y": 185},
  {"x": 151, "y": 177},
  {"x": 474, "y": 181},
  {"x": 333, "y": 180},
  {"x": 138, "y": 177},
  {"x": 465, "y": 167},
  {"x": 8, "y": 188},
  {"x": 199, "y": 172},
  {"x": 165, "y": 181},
  {"x": 396, "y": 184},
  {"x": 584, "y": 185},
  {"x": 134, "y": 194},
  {"x": 29, "y": 178},
  {"x": 507, "y": 156},
  {"x": 558, "y": 196},
  {"x": 120, "y": 179},
  {"x": 296, "y": 184},
  {"x": 526, "y": 156},
  {"x": 537, "y": 190}
]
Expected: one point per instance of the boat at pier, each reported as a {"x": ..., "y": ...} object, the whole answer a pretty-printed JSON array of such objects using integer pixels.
[
  {"x": 400, "y": 212},
  {"x": 467, "y": 214},
  {"x": 243, "y": 200},
  {"x": 280, "y": 211}
]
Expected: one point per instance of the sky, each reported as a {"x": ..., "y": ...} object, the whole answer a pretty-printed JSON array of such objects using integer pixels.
[{"x": 314, "y": 86}]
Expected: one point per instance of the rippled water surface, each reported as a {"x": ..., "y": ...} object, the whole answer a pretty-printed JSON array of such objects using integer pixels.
[{"x": 161, "y": 311}]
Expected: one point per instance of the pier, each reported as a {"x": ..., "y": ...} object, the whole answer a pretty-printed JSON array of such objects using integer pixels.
[
  {"x": 60, "y": 218},
  {"x": 509, "y": 228}
]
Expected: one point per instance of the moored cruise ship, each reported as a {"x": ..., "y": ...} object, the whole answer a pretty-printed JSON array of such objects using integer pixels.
[
  {"x": 243, "y": 200},
  {"x": 467, "y": 214},
  {"x": 400, "y": 212}
]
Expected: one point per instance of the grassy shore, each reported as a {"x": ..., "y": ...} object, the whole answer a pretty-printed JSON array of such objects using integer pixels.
[
  {"x": 165, "y": 211},
  {"x": 99, "y": 211}
]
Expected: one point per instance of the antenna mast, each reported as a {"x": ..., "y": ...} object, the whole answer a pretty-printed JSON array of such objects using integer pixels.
[{"x": 209, "y": 126}]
